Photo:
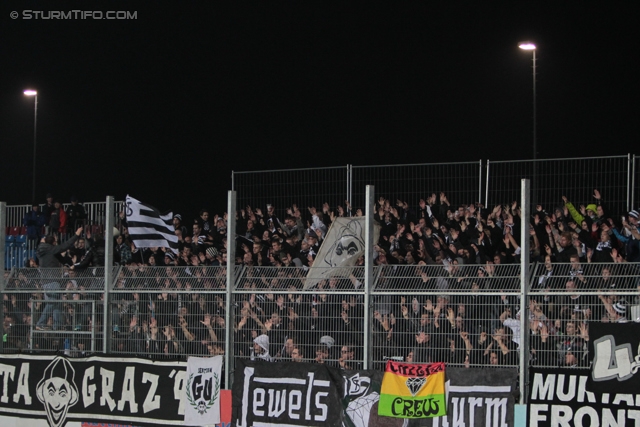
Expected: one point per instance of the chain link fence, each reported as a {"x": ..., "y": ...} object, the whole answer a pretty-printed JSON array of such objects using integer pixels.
[
  {"x": 553, "y": 178},
  {"x": 283, "y": 188},
  {"x": 464, "y": 315},
  {"x": 461, "y": 182}
]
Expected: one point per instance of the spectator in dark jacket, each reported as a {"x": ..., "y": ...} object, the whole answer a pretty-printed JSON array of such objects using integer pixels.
[
  {"x": 48, "y": 249},
  {"x": 34, "y": 220}
]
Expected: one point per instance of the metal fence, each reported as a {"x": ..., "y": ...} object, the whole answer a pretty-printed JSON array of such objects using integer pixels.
[
  {"x": 635, "y": 182},
  {"x": 553, "y": 178},
  {"x": 282, "y": 188},
  {"x": 498, "y": 182},
  {"x": 96, "y": 212},
  {"x": 461, "y": 182},
  {"x": 466, "y": 315}
]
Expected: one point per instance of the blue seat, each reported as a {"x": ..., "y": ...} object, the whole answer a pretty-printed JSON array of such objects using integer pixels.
[
  {"x": 8, "y": 260},
  {"x": 21, "y": 238},
  {"x": 9, "y": 239}
]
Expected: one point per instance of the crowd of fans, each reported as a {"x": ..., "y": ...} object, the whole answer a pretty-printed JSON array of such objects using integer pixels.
[{"x": 449, "y": 286}]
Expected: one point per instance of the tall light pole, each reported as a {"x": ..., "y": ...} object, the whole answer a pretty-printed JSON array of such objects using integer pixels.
[
  {"x": 34, "y": 93},
  {"x": 532, "y": 47},
  {"x": 534, "y": 181}
]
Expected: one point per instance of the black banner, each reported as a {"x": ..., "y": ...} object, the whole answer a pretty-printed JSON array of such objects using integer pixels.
[
  {"x": 615, "y": 353},
  {"x": 136, "y": 391},
  {"x": 477, "y": 398},
  {"x": 562, "y": 397},
  {"x": 360, "y": 400},
  {"x": 294, "y": 394}
]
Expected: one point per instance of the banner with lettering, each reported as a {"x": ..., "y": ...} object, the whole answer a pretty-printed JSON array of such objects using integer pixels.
[
  {"x": 477, "y": 397},
  {"x": 361, "y": 398},
  {"x": 615, "y": 353},
  {"x": 562, "y": 397},
  {"x": 57, "y": 389},
  {"x": 413, "y": 390},
  {"x": 289, "y": 393},
  {"x": 202, "y": 391}
]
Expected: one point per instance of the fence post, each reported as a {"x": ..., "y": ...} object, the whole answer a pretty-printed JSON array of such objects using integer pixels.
[
  {"x": 368, "y": 271},
  {"x": 349, "y": 183},
  {"x": 231, "y": 260},
  {"x": 108, "y": 273},
  {"x": 480, "y": 182},
  {"x": 486, "y": 189},
  {"x": 633, "y": 183},
  {"x": 3, "y": 252},
  {"x": 630, "y": 174},
  {"x": 524, "y": 283}
]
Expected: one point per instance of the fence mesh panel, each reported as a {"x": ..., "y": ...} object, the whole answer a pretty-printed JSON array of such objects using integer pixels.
[
  {"x": 282, "y": 188},
  {"x": 169, "y": 311},
  {"x": 553, "y": 178},
  {"x": 466, "y": 315},
  {"x": 461, "y": 315},
  {"x": 461, "y": 182},
  {"x": 276, "y": 319},
  {"x": 565, "y": 299}
]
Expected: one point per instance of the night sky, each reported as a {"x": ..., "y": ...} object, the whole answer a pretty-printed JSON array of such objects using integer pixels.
[{"x": 165, "y": 106}]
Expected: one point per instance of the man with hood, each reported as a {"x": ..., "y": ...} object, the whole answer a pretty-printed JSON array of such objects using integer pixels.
[{"x": 261, "y": 348}]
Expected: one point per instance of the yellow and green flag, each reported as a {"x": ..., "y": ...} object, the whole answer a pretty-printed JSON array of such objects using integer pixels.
[{"x": 412, "y": 390}]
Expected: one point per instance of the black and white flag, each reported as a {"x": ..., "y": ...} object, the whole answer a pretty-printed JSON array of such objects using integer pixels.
[{"x": 148, "y": 228}]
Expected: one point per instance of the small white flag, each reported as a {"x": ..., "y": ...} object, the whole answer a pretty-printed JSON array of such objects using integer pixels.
[{"x": 202, "y": 391}]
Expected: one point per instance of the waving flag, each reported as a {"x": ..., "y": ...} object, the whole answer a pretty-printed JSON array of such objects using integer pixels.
[
  {"x": 148, "y": 228},
  {"x": 412, "y": 390}
]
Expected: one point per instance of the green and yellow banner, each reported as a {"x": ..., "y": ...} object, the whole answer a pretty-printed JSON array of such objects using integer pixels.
[{"x": 412, "y": 390}]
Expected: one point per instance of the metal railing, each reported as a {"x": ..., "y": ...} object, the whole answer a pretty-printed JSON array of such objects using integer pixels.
[
  {"x": 96, "y": 213},
  {"x": 575, "y": 178},
  {"x": 465, "y": 315},
  {"x": 282, "y": 188},
  {"x": 498, "y": 182},
  {"x": 461, "y": 182}
]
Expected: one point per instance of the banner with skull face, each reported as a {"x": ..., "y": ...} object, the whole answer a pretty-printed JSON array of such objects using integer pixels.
[
  {"x": 135, "y": 391},
  {"x": 340, "y": 250}
]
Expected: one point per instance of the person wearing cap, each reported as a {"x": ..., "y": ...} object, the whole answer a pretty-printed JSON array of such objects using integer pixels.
[
  {"x": 616, "y": 310},
  {"x": 590, "y": 212},
  {"x": 211, "y": 257},
  {"x": 169, "y": 258},
  {"x": 180, "y": 229}
]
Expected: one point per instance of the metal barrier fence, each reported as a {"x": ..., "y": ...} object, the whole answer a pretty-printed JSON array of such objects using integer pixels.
[
  {"x": 452, "y": 314},
  {"x": 553, "y": 178},
  {"x": 96, "y": 212},
  {"x": 282, "y": 188},
  {"x": 323, "y": 325},
  {"x": 614, "y": 176},
  {"x": 635, "y": 182},
  {"x": 461, "y": 182},
  {"x": 466, "y": 315}
]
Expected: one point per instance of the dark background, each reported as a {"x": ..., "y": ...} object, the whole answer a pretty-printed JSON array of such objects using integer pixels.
[{"x": 165, "y": 106}]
